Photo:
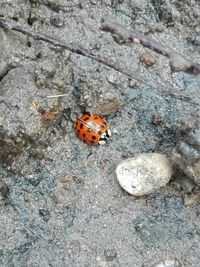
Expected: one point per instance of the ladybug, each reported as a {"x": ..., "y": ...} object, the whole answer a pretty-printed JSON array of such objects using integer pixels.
[{"x": 93, "y": 129}]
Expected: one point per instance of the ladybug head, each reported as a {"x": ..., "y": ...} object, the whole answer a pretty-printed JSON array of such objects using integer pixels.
[{"x": 104, "y": 137}]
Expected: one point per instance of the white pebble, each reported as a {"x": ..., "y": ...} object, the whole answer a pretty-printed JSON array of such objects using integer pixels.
[
  {"x": 168, "y": 263},
  {"x": 144, "y": 173}
]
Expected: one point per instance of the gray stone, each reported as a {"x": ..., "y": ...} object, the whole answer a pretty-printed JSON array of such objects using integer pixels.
[
  {"x": 168, "y": 263},
  {"x": 144, "y": 173}
]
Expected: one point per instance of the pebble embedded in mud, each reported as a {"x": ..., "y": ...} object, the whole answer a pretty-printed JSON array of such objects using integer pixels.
[
  {"x": 106, "y": 108},
  {"x": 157, "y": 119},
  {"x": 44, "y": 214},
  {"x": 144, "y": 174},
  {"x": 57, "y": 20},
  {"x": 133, "y": 83},
  {"x": 168, "y": 263},
  {"x": 113, "y": 78},
  {"x": 147, "y": 59}
]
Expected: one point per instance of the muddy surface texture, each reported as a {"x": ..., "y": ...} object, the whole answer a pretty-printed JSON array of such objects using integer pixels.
[{"x": 60, "y": 202}]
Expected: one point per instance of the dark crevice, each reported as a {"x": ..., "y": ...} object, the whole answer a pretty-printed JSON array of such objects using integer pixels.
[
  {"x": 15, "y": 19},
  {"x": 30, "y": 20},
  {"x": 29, "y": 44},
  {"x": 5, "y": 72}
]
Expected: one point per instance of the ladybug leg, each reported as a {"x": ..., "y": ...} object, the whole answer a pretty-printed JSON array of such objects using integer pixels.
[{"x": 102, "y": 142}]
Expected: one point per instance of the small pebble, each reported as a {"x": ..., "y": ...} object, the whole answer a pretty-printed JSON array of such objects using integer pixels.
[
  {"x": 168, "y": 263},
  {"x": 44, "y": 214},
  {"x": 113, "y": 78},
  {"x": 34, "y": 179},
  {"x": 144, "y": 174},
  {"x": 157, "y": 119},
  {"x": 57, "y": 20},
  {"x": 107, "y": 108},
  {"x": 133, "y": 83},
  {"x": 147, "y": 59}
]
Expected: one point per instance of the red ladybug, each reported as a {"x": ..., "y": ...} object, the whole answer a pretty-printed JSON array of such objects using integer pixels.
[{"x": 92, "y": 129}]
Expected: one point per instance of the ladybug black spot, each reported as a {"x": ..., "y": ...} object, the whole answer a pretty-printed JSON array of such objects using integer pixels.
[
  {"x": 81, "y": 125},
  {"x": 93, "y": 137},
  {"x": 86, "y": 119},
  {"x": 104, "y": 123},
  {"x": 83, "y": 135},
  {"x": 96, "y": 118}
]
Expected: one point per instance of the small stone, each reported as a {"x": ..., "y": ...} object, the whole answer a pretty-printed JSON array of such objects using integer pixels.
[
  {"x": 44, "y": 214},
  {"x": 168, "y": 263},
  {"x": 113, "y": 78},
  {"x": 147, "y": 59},
  {"x": 157, "y": 119},
  {"x": 133, "y": 83},
  {"x": 136, "y": 41},
  {"x": 144, "y": 174},
  {"x": 57, "y": 20},
  {"x": 107, "y": 108},
  {"x": 34, "y": 179}
]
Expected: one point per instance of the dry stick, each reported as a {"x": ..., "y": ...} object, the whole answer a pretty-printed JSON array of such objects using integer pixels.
[
  {"x": 176, "y": 61},
  {"x": 78, "y": 50},
  {"x": 87, "y": 53}
]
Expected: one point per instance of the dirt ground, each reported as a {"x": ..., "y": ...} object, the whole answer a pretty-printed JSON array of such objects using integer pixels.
[{"x": 60, "y": 202}]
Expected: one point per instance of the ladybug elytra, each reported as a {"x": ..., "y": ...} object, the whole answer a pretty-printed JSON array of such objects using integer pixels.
[{"x": 93, "y": 129}]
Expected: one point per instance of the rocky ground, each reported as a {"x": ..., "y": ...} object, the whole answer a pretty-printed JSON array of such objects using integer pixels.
[{"x": 61, "y": 204}]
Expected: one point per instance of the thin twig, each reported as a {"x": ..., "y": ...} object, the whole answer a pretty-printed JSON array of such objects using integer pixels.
[
  {"x": 77, "y": 50},
  {"x": 176, "y": 61},
  {"x": 88, "y": 54},
  {"x": 55, "y": 96}
]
